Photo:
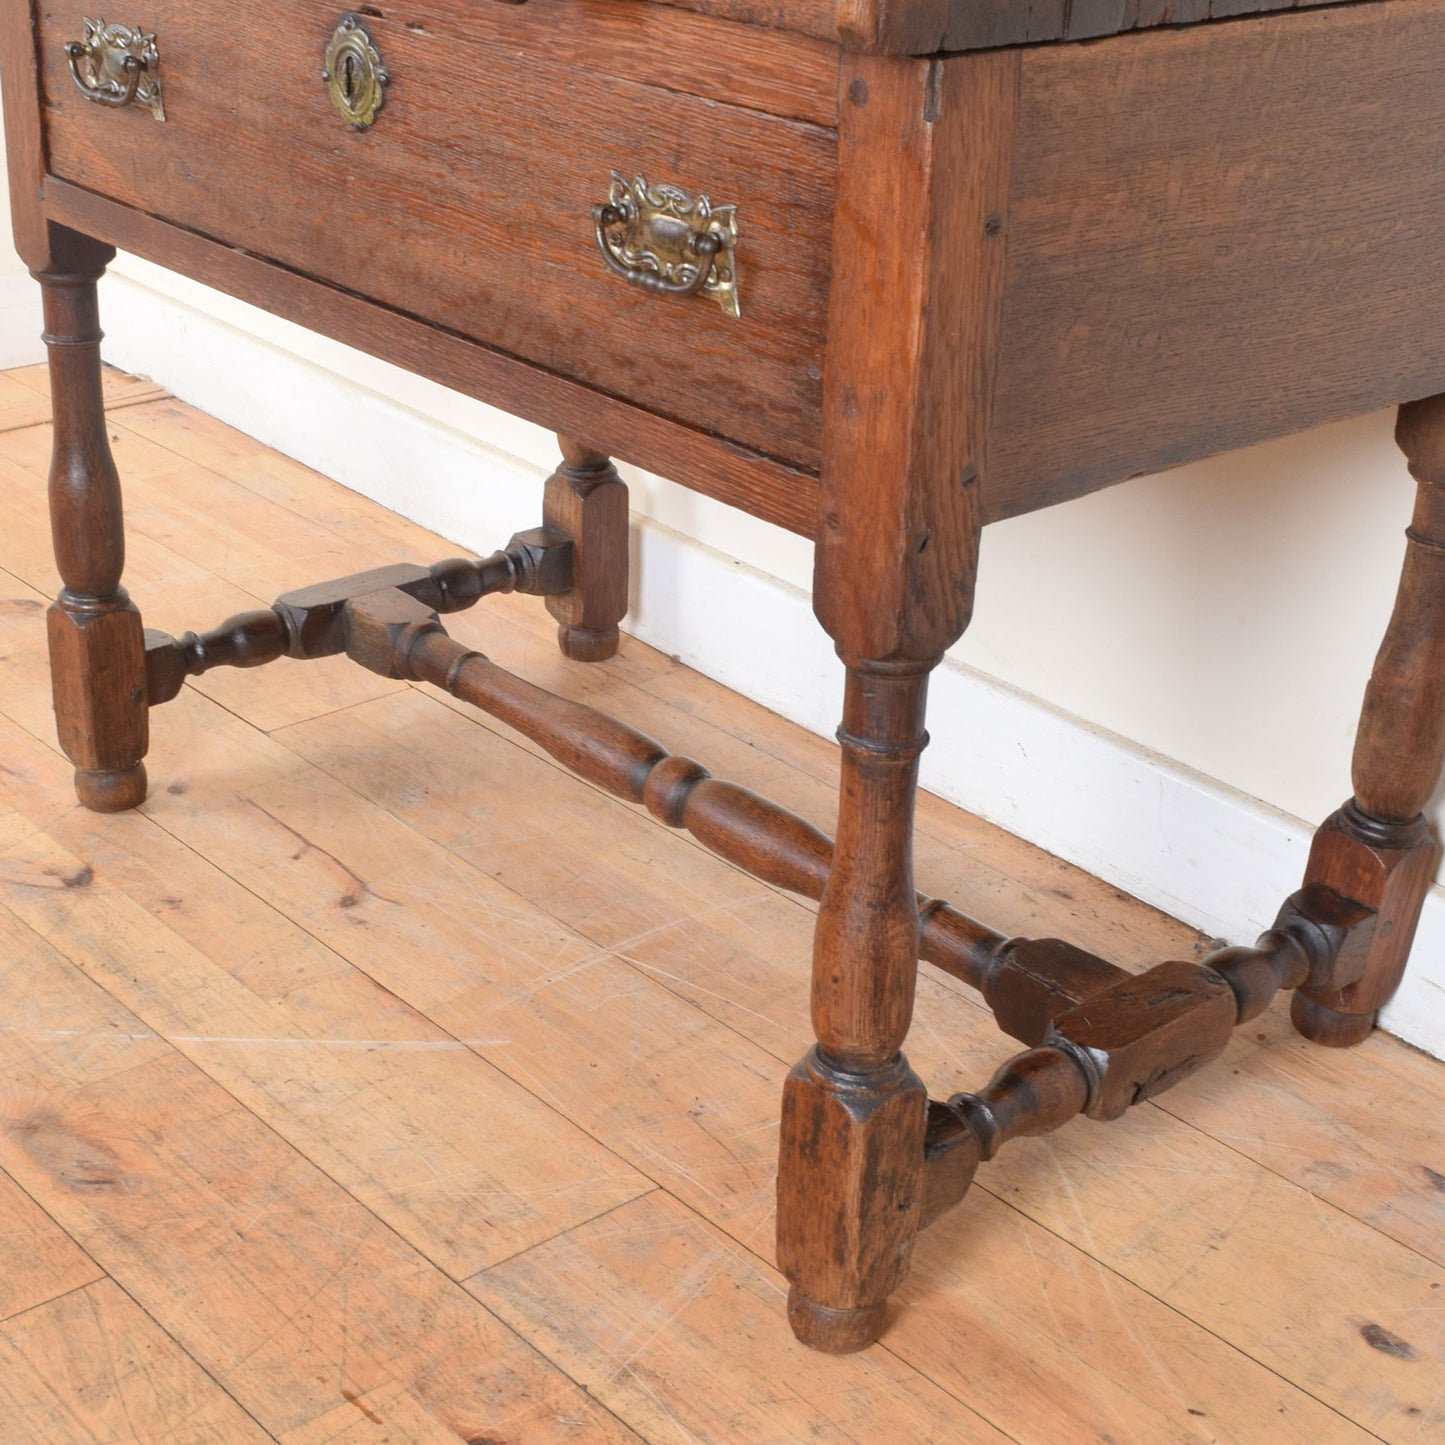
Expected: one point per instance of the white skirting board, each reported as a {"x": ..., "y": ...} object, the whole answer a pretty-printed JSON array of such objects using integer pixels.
[
  {"x": 1207, "y": 854},
  {"x": 20, "y": 322}
]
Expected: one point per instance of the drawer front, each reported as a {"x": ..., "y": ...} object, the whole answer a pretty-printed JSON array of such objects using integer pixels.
[{"x": 468, "y": 202}]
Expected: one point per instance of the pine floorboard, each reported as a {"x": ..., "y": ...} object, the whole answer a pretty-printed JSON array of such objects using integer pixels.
[{"x": 376, "y": 1081}]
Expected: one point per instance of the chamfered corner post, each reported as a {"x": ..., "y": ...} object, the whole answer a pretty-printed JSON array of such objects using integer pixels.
[
  {"x": 587, "y": 500},
  {"x": 97, "y": 644},
  {"x": 1378, "y": 849},
  {"x": 906, "y": 410}
]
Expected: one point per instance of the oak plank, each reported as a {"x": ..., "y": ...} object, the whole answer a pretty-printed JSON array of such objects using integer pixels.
[
  {"x": 119, "y": 388},
  {"x": 196, "y": 513},
  {"x": 465, "y": 1165},
  {"x": 1328, "y": 1303},
  {"x": 733, "y": 947},
  {"x": 1058, "y": 1346},
  {"x": 1319, "y": 1126},
  {"x": 640, "y": 1306},
  {"x": 183, "y": 1195},
  {"x": 92, "y": 1366},
  {"x": 646, "y": 1308},
  {"x": 636, "y": 1067},
  {"x": 603, "y": 869},
  {"x": 38, "y": 1260},
  {"x": 20, "y": 405},
  {"x": 388, "y": 1415}
]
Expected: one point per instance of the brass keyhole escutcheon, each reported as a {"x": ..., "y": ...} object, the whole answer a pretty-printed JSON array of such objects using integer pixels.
[{"x": 354, "y": 74}]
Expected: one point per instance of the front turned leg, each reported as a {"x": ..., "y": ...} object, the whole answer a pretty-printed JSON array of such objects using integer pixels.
[
  {"x": 587, "y": 500},
  {"x": 1378, "y": 849},
  {"x": 917, "y": 277},
  {"x": 97, "y": 644},
  {"x": 850, "y": 1186}
]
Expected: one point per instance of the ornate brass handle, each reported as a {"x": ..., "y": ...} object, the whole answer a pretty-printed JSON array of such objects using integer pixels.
[
  {"x": 668, "y": 242},
  {"x": 116, "y": 66}
]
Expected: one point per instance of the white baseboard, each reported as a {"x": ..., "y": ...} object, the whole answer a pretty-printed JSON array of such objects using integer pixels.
[
  {"x": 20, "y": 322},
  {"x": 1207, "y": 854}
]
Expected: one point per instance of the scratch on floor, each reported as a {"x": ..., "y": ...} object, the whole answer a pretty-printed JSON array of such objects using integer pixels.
[{"x": 616, "y": 951}]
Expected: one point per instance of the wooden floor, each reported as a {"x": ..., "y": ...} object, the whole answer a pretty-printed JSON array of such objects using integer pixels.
[{"x": 378, "y": 1082}]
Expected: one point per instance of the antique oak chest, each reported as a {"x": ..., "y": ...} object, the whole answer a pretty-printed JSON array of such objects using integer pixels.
[{"x": 880, "y": 271}]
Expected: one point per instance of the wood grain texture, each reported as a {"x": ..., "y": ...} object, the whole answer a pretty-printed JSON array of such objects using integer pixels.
[
  {"x": 923, "y": 26},
  {"x": 25, "y": 394},
  {"x": 38, "y": 1260},
  {"x": 917, "y": 276},
  {"x": 305, "y": 1285},
  {"x": 94, "y": 1366},
  {"x": 1342, "y": 1318},
  {"x": 1026, "y": 1377},
  {"x": 24, "y": 141},
  {"x": 401, "y": 1113},
  {"x": 732, "y": 473},
  {"x": 387, "y": 1415},
  {"x": 1218, "y": 234},
  {"x": 641, "y": 1306},
  {"x": 471, "y": 223},
  {"x": 918, "y": 264}
]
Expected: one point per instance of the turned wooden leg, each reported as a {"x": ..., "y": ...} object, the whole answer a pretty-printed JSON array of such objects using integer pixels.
[
  {"x": 895, "y": 563},
  {"x": 850, "y": 1189},
  {"x": 97, "y": 646},
  {"x": 586, "y": 499},
  {"x": 1378, "y": 849}
]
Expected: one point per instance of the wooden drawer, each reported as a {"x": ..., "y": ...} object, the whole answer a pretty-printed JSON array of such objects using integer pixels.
[{"x": 468, "y": 203}]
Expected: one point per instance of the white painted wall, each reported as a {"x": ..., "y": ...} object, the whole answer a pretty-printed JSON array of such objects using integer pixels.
[{"x": 1161, "y": 682}]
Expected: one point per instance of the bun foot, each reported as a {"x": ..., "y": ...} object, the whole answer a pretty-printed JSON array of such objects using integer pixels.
[
  {"x": 834, "y": 1332},
  {"x": 111, "y": 792},
  {"x": 588, "y": 644},
  {"x": 1328, "y": 1026}
]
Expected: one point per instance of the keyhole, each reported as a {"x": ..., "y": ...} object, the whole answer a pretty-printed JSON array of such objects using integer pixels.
[{"x": 348, "y": 78}]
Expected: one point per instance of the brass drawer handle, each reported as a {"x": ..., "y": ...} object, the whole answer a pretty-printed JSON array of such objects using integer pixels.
[
  {"x": 668, "y": 242},
  {"x": 116, "y": 66}
]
